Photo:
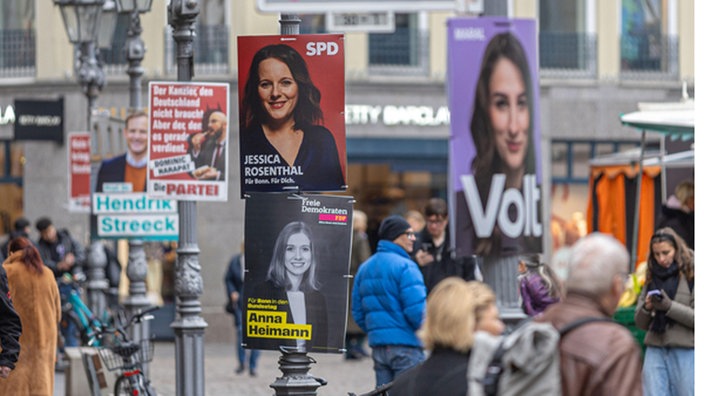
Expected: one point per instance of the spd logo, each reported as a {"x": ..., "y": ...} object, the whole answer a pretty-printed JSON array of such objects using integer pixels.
[{"x": 322, "y": 48}]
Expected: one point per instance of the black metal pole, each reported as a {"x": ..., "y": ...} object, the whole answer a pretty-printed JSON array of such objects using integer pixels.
[
  {"x": 137, "y": 262},
  {"x": 294, "y": 363},
  {"x": 189, "y": 326},
  {"x": 92, "y": 79}
]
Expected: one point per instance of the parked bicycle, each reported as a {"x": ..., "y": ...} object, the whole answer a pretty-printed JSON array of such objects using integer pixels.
[
  {"x": 127, "y": 356},
  {"x": 87, "y": 324}
]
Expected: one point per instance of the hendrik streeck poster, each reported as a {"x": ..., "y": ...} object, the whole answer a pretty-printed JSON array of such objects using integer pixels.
[
  {"x": 188, "y": 140},
  {"x": 495, "y": 136},
  {"x": 292, "y": 122},
  {"x": 297, "y": 252}
]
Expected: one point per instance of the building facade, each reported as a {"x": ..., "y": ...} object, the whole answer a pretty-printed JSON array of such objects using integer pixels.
[{"x": 598, "y": 59}]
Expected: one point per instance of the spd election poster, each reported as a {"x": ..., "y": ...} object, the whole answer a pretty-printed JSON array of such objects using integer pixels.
[
  {"x": 495, "y": 136},
  {"x": 292, "y": 120},
  {"x": 188, "y": 140},
  {"x": 297, "y": 255}
]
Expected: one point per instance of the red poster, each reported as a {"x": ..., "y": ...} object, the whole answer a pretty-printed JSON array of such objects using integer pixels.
[
  {"x": 188, "y": 140},
  {"x": 79, "y": 172},
  {"x": 292, "y": 120}
]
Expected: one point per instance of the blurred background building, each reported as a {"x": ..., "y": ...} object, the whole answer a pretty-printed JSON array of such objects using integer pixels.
[{"x": 598, "y": 59}]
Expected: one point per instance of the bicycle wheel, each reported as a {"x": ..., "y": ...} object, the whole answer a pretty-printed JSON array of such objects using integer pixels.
[{"x": 126, "y": 386}]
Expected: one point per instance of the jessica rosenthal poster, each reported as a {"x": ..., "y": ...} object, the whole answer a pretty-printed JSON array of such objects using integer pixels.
[
  {"x": 297, "y": 255},
  {"x": 292, "y": 124},
  {"x": 495, "y": 136},
  {"x": 188, "y": 140}
]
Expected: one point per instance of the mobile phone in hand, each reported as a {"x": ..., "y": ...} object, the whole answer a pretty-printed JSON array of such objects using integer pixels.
[{"x": 656, "y": 294}]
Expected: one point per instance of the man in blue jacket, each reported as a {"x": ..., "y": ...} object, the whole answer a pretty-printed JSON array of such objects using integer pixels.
[{"x": 388, "y": 301}]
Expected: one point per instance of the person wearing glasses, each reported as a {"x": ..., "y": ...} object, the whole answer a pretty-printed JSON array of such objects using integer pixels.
[
  {"x": 388, "y": 301},
  {"x": 432, "y": 250}
]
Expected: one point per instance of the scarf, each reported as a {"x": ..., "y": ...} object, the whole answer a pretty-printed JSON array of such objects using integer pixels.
[{"x": 666, "y": 279}]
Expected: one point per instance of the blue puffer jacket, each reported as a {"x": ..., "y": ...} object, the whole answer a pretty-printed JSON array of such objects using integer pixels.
[{"x": 388, "y": 297}]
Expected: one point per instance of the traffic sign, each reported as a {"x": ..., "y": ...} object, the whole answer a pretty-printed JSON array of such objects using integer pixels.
[
  {"x": 372, "y": 22},
  {"x": 322, "y": 6}
]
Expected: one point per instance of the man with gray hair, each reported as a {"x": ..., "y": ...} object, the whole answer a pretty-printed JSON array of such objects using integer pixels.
[{"x": 599, "y": 357}]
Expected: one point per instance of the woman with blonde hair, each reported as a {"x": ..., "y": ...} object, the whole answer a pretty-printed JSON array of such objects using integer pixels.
[
  {"x": 36, "y": 299},
  {"x": 453, "y": 315}
]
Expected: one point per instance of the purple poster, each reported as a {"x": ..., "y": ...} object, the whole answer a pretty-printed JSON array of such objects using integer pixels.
[{"x": 495, "y": 175}]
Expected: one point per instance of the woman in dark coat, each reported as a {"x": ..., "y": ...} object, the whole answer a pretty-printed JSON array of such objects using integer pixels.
[{"x": 456, "y": 309}]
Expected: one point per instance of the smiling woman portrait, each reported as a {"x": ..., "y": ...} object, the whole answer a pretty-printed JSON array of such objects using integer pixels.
[
  {"x": 282, "y": 121},
  {"x": 292, "y": 280},
  {"x": 501, "y": 128}
]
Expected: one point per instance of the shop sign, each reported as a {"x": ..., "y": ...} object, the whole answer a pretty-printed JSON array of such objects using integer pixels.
[
  {"x": 39, "y": 120},
  {"x": 391, "y": 115}
]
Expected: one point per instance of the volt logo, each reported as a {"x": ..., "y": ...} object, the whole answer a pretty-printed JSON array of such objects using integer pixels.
[{"x": 498, "y": 204}]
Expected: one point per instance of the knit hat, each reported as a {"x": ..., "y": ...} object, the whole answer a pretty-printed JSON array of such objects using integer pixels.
[{"x": 392, "y": 227}]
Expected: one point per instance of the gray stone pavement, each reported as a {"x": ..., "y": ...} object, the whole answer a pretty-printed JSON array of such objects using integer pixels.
[{"x": 220, "y": 379}]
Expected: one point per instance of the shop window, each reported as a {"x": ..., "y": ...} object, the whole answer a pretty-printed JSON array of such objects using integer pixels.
[
  {"x": 113, "y": 57},
  {"x": 17, "y": 39},
  {"x": 567, "y": 39},
  {"x": 404, "y": 51},
  {"x": 211, "y": 47},
  {"x": 648, "y": 44}
]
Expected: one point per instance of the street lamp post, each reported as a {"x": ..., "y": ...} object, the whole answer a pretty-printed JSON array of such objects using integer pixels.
[
  {"x": 188, "y": 326},
  {"x": 295, "y": 363},
  {"x": 84, "y": 20},
  {"x": 137, "y": 263}
]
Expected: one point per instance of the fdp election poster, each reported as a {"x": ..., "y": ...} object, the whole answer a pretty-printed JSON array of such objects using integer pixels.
[
  {"x": 292, "y": 122},
  {"x": 495, "y": 136},
  {"x": 297, "y": 254},
  {"x": 79, "y": 172},
  {"x": 188, "y": 140}
]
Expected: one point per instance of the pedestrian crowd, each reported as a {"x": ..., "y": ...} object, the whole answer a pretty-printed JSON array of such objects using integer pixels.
[
  {"x": 414, "y": 301},
  {"x": 433, "y": 326},
  {"x": 35, "y": 278}
]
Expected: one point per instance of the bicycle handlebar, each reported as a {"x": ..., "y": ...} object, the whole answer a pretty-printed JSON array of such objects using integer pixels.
[{"x": 120, "y": 329}]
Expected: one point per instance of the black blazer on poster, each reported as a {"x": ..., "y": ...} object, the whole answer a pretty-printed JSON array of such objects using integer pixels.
[
  {"x": 316, "y": 315},
  {"x": 113, "y": 171}
]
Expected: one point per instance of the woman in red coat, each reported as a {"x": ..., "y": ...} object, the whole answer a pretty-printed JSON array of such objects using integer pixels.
[{"x": 36, "y": 299}]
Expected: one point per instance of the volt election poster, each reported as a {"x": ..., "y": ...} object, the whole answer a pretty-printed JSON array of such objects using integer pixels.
[
  {"x": 494, "y": 149},
  {"x": 297, "y": 254},
  {"x": 188, "y": 141}
]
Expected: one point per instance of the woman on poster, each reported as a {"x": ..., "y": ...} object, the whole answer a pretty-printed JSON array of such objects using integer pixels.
[
  {"x": 292, "y": 277},
  {"x": 282, "y": 116},
  {"x": 502, "y": 130}
]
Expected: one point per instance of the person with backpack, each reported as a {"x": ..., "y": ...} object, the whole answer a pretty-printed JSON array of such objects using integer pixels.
[
  {"x": 665, "y": 309},
  {"x": 538, "y": 284},
  {"x": 599, "y": 357}
]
